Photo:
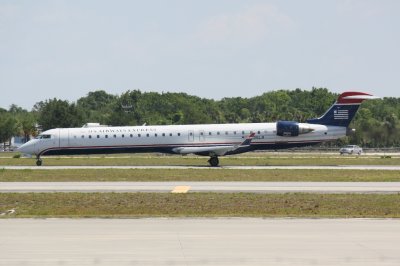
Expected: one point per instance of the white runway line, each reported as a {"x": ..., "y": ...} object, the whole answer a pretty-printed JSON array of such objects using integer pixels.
[
  {"x": 220, "y": 241},
  {"x": 251, "y": 187}
]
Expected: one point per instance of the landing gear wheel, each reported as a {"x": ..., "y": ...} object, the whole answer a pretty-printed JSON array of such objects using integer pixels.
[
  {"x": 214, "y": 161},
  {"x": 39, "y": 162}
]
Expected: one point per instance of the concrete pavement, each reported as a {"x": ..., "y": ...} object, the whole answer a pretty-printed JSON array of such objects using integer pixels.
[
  {"x": 232, "y": 241},
  {"x": 257, "y": 187}
]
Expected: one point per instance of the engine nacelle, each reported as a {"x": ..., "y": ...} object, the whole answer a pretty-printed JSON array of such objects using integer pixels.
[{"x": 291, "y": 129}]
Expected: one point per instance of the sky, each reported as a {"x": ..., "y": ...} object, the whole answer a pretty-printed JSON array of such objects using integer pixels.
[{"x": 209, "y": 48}]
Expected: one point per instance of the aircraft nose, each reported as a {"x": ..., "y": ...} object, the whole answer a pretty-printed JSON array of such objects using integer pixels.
[{"x": 26, "y": 148}]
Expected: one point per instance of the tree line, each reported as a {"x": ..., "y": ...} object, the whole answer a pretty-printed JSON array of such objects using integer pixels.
[{"x": 377, "y": 122}]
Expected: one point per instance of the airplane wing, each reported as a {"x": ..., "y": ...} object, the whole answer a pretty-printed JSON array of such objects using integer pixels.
[{"x": 217, "y": 150}]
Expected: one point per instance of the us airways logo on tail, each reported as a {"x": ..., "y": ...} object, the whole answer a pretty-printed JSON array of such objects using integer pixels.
[
  {"x": 343, "y": 110},
  {"x": 341, "y": 114}
]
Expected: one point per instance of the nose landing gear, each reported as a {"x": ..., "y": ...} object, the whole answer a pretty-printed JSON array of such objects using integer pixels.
[
  {"x": 38, "y": 161},
  {"x": 214, "y": 162}
]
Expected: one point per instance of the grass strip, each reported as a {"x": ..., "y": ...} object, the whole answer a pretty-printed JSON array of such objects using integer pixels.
[
  {"x": 200, "y": 205},
  {"x": 202, "y": 161},
  {"x": 98, "y": 175}
]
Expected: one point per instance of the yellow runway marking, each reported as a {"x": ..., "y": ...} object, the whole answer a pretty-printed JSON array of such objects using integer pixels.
[{"x": 181, "y": 189}]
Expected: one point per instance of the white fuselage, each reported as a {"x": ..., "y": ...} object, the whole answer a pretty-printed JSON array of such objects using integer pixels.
[{"x": 171, "y": 137}]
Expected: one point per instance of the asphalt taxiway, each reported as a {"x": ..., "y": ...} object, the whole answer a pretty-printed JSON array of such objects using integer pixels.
[
  {"x": 221, "y": 241},
  {"x": 183, "y": 187}
]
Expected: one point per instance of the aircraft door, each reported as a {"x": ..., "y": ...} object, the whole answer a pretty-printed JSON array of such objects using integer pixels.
[
  {"x": 56, "y": 139},
  {"x": 201, "y": 136},
  {"x": 191, "y": 135},
  {"x": 64, "y": 138}
]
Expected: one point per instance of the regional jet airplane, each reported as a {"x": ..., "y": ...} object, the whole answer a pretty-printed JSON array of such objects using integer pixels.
[{"x": 211, "y": 140}]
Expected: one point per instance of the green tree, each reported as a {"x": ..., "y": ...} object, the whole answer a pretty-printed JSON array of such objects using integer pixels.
[
  {"x": 97, "y": 106},
  {"x": 9, "y": 127},
  {"x": 58, "y": 114},
  {"x": 26, "y": 121},
  {"x": 28, "y": 125}
]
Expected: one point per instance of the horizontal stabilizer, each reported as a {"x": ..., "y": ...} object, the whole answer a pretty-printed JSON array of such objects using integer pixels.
[
  {"x": 361, "y": 97},
  {"x": 353, "y": 97}
]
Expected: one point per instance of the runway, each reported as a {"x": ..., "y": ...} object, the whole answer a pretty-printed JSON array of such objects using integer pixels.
[
  {"x": 269, "y": 167},
  {"x": 183, "y": 187},
  {"x": 232, "y": 241}
]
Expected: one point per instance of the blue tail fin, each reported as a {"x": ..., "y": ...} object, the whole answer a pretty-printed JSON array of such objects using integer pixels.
[{"x": 343, "y": 110}]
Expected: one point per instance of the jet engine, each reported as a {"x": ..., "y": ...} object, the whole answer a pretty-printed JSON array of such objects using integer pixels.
[{"x": 291, "y": 129}]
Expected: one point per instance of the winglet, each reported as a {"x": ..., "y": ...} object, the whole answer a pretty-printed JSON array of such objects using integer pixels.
[{"x": 248, "y": 139}]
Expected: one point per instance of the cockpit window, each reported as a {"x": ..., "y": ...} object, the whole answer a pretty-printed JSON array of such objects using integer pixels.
[{"x": 43, "y": 137}]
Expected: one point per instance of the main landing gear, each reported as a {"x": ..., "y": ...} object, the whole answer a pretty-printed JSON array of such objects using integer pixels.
[
  {"x": 213, "y": 161},
  {"x": 38, "y": 161}
]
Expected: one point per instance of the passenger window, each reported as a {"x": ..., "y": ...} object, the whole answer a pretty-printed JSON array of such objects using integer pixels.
[
  {"x": 98, "y": 136},
  {"x": 147, "y": 135},
  {"x": 155, "y": 135},
  {"x": 163, "y": 134},
  {"x": 82, "y": 136},
  {"x": 131, "y": 135},
  {"x": 106, "y": 136},
  {"x": 258, "y": 132},
  {"x": 242, "y": 132},
  {"x": 170, "y": 134},
  {"x": 226, "y": 132},
  {"x": 209, "y": 133},
  {"x": 90, "y": 136},
  {"x": 191, "y": 134},
  {"x": 234, "y": 132},
  {"x": 201, "y": 133},
  {"x": 179, "y": 134},
  {"x": 115, "y": 136},
  {"x": 139, "y": 135},
  {"x": 218, "y": 133},
  {"x": 123, "y": 135}
]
